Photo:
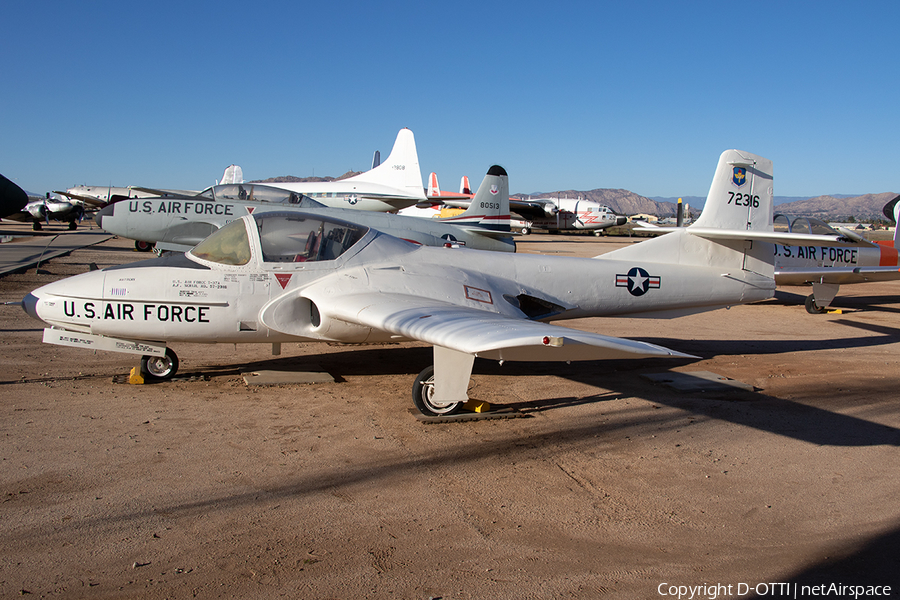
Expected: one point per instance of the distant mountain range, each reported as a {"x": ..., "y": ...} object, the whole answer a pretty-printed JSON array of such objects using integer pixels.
[
  {"x": 839, "y": 206},
  {"x": 865, "y": 207}
]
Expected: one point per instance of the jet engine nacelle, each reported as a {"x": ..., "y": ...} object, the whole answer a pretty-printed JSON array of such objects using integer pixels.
[
  {"x": 550, "y": 209},
  {"x": 37, "y": 210},
  {"x": 297, "y": 315}
]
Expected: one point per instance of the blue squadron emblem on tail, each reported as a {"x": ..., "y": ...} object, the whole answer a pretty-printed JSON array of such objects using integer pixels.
[
  {"x": 638, "y": 281},
  {"x": 739, "y": 177}
]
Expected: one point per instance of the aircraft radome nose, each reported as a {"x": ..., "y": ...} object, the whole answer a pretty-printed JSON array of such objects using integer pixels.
[
  {"x": 98, "y": 217},
  {"x": 29, "y": 303}
]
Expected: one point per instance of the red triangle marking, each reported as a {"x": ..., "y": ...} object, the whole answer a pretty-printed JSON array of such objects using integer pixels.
[{"x": 283, "y": 278}]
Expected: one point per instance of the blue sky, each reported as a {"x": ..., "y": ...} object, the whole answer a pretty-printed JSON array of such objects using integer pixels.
[{"x": 571, "y": 95}]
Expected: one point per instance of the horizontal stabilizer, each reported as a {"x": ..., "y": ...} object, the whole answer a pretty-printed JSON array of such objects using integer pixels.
[{"x": 774, "y": 237}]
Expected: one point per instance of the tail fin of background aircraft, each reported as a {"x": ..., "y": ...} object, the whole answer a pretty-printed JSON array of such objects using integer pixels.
[
  {"x": 233, "y": 174},
  {"x": 433, "y": 188},
  {"x": 400, "y": 169},
  {"x": 376, "y": 159},
  {"x": 464, "y": 187},
  {"x": 489, "y": 209},
  {"x": 892, "y": 211}
]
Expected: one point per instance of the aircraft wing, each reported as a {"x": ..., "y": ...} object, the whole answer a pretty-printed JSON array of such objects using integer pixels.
[
  {"x": 836, "y": 275},
  {"x": 86, "y": 199},
  {"x": 177, "y": 194},
  {"x": 482, "y": 333},
  {"x": 528, "y": 210}
]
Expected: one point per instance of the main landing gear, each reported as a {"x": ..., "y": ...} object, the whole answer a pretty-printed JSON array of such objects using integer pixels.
[
  {"x": 159, "y": 368},
  {"x": 423, "y": 396},
  {"x": 811, "y": 306}
]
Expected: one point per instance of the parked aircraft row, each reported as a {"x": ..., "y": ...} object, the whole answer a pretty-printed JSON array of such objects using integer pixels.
[
  {"x": 179, "y": 224},
  {"x": 296, "y": 276}
]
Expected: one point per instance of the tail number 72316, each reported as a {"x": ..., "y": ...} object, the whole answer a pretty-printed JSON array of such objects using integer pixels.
[{"x": 743, "y": 200}]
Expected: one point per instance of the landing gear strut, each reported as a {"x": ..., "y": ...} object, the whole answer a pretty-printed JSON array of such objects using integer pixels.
[
  {"x": 160, "y": 367},
  {"x": 423, "y": 394}
]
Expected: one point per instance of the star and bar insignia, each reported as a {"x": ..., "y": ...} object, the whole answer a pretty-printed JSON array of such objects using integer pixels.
[{"x": 638, "y": 281}]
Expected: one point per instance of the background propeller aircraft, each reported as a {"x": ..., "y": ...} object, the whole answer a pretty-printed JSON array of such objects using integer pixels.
[
  {"x": 36, "y": 209},
  {"x": 291, "y": 277},
  {"x": 178, "y": 225},
  {"x": 566, "y": 213}
]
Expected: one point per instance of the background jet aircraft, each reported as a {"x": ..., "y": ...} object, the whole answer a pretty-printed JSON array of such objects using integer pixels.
[
  {"x": 826, "y": 269},
  {"x": 394, "y": 184},
  {"x": 101, "y": 195},
  {"x": 290, "y": 277},
  {"x": 180, "y": 224}
]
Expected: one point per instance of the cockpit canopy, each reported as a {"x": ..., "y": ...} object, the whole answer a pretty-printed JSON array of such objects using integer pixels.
[
  {"x": 254, "y": 192},
  {"x": 788, "y": 224},
  {"x": 283, "y": 238}
]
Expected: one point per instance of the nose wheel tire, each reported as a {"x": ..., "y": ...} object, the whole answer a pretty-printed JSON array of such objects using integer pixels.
[
  {"x": 423, "y": 396},
  {"x": 811, "y": 306},
  {"x": 160, "y": 367}
]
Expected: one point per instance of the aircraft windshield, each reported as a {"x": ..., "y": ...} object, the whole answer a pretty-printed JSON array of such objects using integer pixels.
[
  {"x": 227, "y": 246},
  {"x": 259, "y": 193},
  {"x": 301, "y": 238},
  {"x": 803, "y": 225}
]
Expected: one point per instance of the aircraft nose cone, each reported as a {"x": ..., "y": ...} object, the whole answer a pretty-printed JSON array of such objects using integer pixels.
[
  {"x": 103, "y": 212},
  {"x": 29, "y": 303},
  {"x": 12, "y": 197}
]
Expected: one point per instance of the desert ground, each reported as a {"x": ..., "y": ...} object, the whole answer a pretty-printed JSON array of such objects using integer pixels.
[{"x": 609, "y": 485}]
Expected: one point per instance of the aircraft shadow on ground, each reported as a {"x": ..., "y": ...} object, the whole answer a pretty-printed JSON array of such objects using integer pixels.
[
  {"x": 874, "y": 562},
  {"x": 854, "y": 303},
  {"x": 619, "y": 379}
]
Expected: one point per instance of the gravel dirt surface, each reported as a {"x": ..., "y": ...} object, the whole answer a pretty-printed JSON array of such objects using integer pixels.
[{"x": 608, "y": 487}]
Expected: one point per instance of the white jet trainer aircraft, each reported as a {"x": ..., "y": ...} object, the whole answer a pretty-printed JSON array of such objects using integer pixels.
[
  {"x": 288, "y": 277},
  {"x": 827, "y": 268},
  {"x": 179, "y": 225}
]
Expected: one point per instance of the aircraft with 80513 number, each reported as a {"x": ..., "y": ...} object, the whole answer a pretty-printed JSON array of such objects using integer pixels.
[{"x": 281, "y": 277}]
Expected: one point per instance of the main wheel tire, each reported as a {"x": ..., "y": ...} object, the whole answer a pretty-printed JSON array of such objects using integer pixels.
[
  {"x": 525, "y": 231},
  {"x": 143, "y": 246},
  {"x": 423, "y": 394},
  {"x": 811, "y": 307},
  {"x": 160, "y": 367},
  {"x": 73, "y": 225}
]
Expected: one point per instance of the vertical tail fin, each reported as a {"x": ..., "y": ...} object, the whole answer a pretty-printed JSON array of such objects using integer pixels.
[
  {"x": 376, "y": 159},
  {"x": 464, "y": 187},
  {"x": 740, "y": 196},
  {"x": 433, "y": 188},
  {"x": 892, "y": 212},
  {"x": 233, "y": 174},
  {"x": 489, "y": 209},
  {"x": 400, "y": 169}
]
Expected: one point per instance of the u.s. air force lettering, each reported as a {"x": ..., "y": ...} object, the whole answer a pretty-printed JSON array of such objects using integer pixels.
[
  {"x": 177, "y": 207},
  {"x": 638, "y": 281}
]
